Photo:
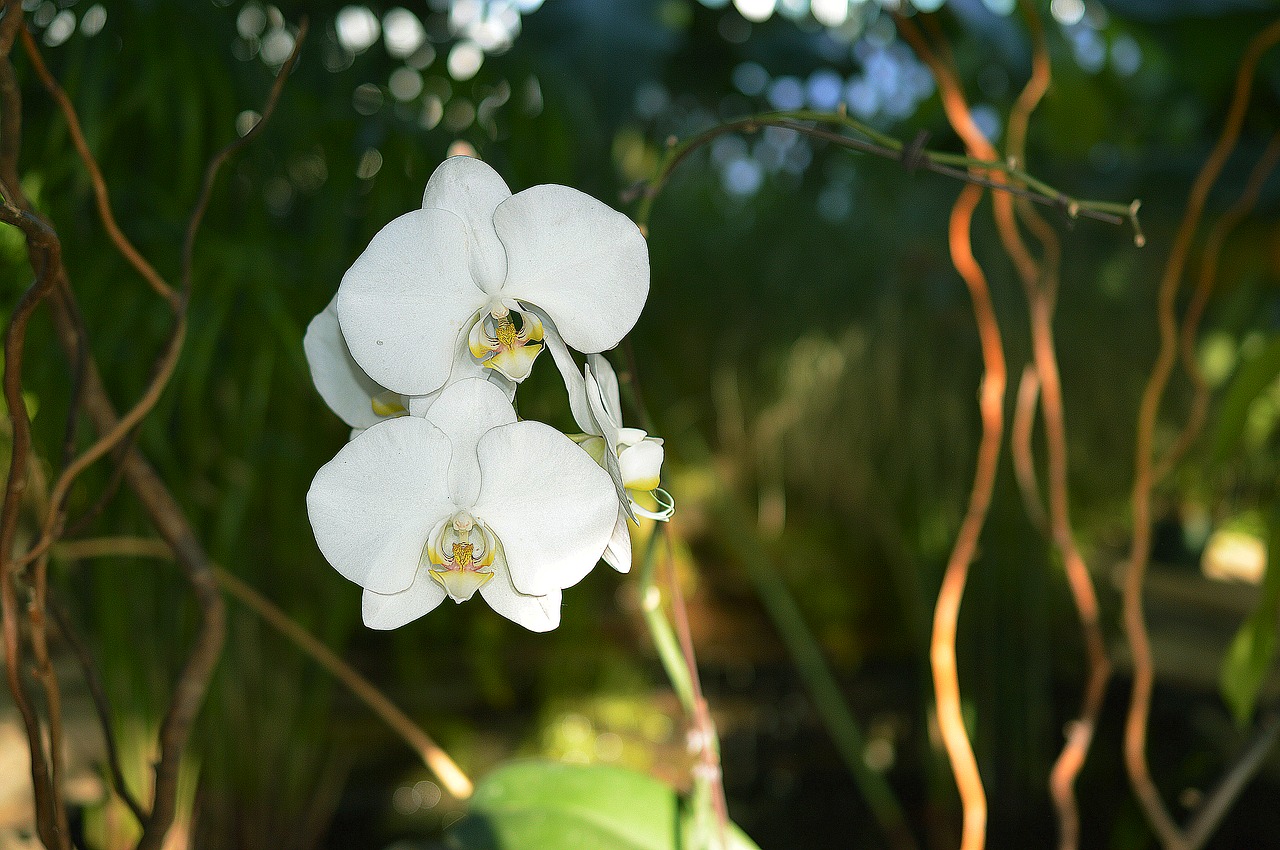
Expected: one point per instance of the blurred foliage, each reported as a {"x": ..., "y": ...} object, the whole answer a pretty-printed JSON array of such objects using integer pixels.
[{"x": 806, "y": 339}]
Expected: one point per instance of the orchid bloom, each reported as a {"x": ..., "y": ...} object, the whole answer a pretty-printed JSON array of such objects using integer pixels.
[
  {"x": 483, "y": 277},
  {"x": 463, "y": 500},
  {"x": 632, "y": 458}
]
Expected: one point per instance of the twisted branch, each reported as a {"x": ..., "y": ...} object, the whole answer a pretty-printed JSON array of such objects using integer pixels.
[{"x": 1144, "y": 479}]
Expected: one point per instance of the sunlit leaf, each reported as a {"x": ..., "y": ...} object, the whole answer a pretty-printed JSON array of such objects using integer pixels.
[
  {"x": 543, "y": 804},
  {"x": 1251, "y": 379},
  {"x": 1249, "y": 658}
]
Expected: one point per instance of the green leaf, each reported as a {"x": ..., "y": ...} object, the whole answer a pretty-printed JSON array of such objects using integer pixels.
[
  {"x": 1253, "y": 649},
  {"x": 533, "y": 804},
  {"x": 1251, "y": 379}
]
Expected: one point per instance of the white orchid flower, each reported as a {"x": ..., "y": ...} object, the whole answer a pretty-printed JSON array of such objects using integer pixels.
[
  {"x": 357, "y": 399},
  {"x": 481, "y": 275},
  {"x": 466, "y": 499},
  {"x": 632, "y": 458}
]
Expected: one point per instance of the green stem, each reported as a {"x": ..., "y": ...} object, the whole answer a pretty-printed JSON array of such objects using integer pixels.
[
  {"x": 660, "y": 628},
  {"x": 912, "y": 155},
  {"x": 814, "y": 671}
]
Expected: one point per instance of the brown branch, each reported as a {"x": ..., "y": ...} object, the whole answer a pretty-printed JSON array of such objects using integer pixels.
[
  {"x": 1021, "y": 450},
  {"x": 1040, "y": 285},
  {"x": 196, "y": 673},
  {"x": 101, "y": 706},
  {"x": 167, "y": 516},
  {"x": 44, "y": 251},
  {"x": 437, "y": 760},
  {"x": 1144, "y": 482},
  {"x": 100, "y": 193},
  {"x": 1200, "y": 299},
  {"x": 942, "y": 647}
]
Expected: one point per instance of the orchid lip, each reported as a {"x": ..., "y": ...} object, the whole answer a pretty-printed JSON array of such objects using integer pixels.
[
  {"x": 458, "y": 554},
  {"x": 507, "y": 339}
]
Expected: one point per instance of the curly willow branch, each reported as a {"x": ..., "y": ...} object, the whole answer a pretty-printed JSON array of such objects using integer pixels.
[
  {"x": 1040, "y": 284},
  {"x": 1144, "y": 480},
  {"x": 44, "y": 251},
  {"x": 197, "y": 671},
  {"x": 1212, "y": 252}
]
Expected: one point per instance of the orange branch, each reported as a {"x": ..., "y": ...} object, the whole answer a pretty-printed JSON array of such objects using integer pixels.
[
  {"x": 1144, "y": 481},
  {"x": 942, "y": 648},
  {"x": 1024, "y": 464},
  {"x": 1200, "y": 299},
  {"x": 1041, "y": 289}
]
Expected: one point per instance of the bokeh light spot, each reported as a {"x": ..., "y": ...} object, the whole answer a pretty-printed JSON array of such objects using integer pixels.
[
  {"x": 60, "y": 28},
  {"x": 405, "y": 84},
  {"x": 755, "y": 10},
  {"x": 402, "y": 32},
  {"x": 357, "y": 28},
  {"x": 465, "y": 60},
  {"x": 95, "y": 18}
]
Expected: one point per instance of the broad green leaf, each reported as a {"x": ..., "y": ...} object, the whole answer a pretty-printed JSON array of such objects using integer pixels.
[
  {"x": 536, "y": 804},
  {"x": 1251, "y": 379},
  {"x": 1249, "y": 658}
]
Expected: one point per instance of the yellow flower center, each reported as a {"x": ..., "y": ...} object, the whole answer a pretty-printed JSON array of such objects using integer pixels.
[
  {"x": 506, "y": 333},
  {"x": 462, "y": 553}
]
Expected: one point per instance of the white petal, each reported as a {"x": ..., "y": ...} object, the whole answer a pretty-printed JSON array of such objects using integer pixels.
[
  {"x": 341, "y": 382},
  {"x": 586, "y": 265},
  {"x": 618, "y": 552},
  {"x": 573, "y": 381},
  {"x": 472, "y": 190},
  {"x": 464, "y": 412},
  {"x": 372, "y": 506},
  {"x": 641, "y": 465},
  {"x": 393, "y": 610},
  {"x": 552, "y": 507},
  {"x": 608, "y": 381},
  {"x": 606, "y": 427},
  {"x": 535, "y": 613},
  {"x": 404, "y": 302}
]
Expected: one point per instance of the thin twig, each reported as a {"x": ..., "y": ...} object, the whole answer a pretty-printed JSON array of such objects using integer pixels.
[
  {"x": 1135, "y": 739},
  {"x": 101, "y": 705},
  {"x": 1200, "y": 299},
  {"x": 1246, "y": 765},
  {"x": 437, "y": 760},
  {"x": 100, "y": 194},
  {"x": 1040, "y": 283},
  {"x": 965, "y": 168},
  {"x": 1022, "y": 451},
  {"x": 230, "y": 150}
]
